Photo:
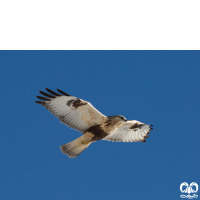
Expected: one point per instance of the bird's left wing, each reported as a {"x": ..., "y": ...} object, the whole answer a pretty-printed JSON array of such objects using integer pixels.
[
  {"x": 130, "y": 131},
  {"x": 72, "y": 111}
]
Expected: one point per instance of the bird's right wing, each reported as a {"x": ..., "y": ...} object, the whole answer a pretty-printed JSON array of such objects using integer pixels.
[
  {"x": 130, "y": 131},
  {"x": 72, "y": 111}
]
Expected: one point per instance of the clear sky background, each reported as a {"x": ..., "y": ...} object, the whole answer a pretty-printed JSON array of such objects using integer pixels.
[{"x": 154, "y": 87}]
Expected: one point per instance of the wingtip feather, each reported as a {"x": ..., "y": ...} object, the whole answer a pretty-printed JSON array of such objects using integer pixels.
[
  {"x": 46, "y": 94},
  {"x": 64, "y": 93},
  {"x": 40, "y": 102},
  {"x": 52, "y": 92}
]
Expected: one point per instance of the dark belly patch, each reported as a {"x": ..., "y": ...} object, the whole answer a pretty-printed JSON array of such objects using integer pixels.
[{"x": 98, "y": 132}]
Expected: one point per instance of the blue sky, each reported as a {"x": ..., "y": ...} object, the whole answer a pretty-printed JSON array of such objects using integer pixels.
[{"x": 154, "y": 87}]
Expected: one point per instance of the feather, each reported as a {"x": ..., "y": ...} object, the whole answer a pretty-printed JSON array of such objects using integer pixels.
[
  {"x": 43, "y": 98},
  {"x": 64, "y": 93},
  {"x": 52, "y": 92},
  {"x": 46, "y": 94},
  {"x": 40, "y": 102}
]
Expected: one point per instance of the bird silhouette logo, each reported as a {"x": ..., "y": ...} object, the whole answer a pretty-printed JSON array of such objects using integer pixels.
[{"x": 186, "y": 188}]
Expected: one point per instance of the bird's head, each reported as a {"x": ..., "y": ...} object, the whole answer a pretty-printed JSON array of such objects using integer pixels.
[{"x": 118, "y": 118}]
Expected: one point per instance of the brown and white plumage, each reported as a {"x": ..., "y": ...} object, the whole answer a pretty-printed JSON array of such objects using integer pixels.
[
  {"x": 82, "y": 116},
  {"x": 130, "y": 131}
]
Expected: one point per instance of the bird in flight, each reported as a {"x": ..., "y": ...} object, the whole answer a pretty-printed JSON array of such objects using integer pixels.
[{"x": 82, "y": 116}]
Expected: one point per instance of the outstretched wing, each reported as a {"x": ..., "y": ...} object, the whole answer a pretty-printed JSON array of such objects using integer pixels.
[
  {"x": 130, "y": 131},
  {"x": 72, "y": 111}
]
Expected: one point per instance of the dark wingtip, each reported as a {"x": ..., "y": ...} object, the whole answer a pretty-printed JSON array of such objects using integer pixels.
[
  {"x": 43, "y": 98},
  {"x": 64, "y": 93},
  {"x": 47, "y": 95},
  {"x": 52, "y": 92},
  {"x": 144, "y": 140},
  {"x": 40, "y": 102}
]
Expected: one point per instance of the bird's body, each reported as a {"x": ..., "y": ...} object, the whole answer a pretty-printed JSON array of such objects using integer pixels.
[{"x": 82, "y": 116}]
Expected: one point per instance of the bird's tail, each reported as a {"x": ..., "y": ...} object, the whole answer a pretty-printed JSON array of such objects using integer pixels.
[{"x": 74, "y": 148}]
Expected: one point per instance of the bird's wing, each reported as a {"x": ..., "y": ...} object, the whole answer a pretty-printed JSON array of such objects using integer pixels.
[
  {"x": 130, "y": 131},
  {"x": 72, "y": 111}
]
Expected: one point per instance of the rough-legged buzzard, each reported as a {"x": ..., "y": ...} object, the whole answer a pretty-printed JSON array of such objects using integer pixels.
[{"x": 82, "y": 116}]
